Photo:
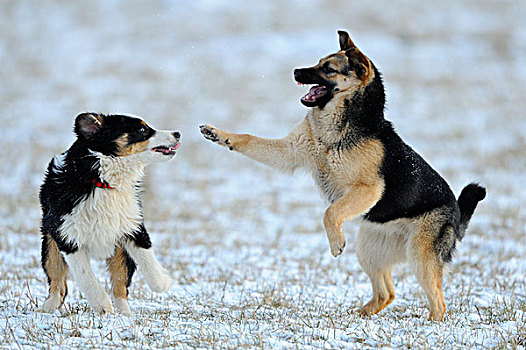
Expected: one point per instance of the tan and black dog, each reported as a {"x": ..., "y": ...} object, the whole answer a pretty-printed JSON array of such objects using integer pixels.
[{"x": 406, "y": 209}]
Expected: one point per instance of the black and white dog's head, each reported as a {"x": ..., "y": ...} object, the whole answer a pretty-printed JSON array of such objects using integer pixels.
[{"x": 125, "y": 135}]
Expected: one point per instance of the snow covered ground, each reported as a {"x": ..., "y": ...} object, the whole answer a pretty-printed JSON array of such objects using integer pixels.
[{"x": 244, "y": 243}]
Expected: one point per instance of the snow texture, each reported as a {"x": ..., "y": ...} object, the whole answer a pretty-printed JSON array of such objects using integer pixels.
[{"x": 244, "y": 243}]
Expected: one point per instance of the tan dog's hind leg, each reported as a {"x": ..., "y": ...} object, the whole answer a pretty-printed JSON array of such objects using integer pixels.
[
  {"x": 357, "y": 200},
  {"x": 377, "y": 252},
  {"x": 56, "y": 270},
  {"x": 383, "y": 292},
  {"x": 429, "y": 272}
]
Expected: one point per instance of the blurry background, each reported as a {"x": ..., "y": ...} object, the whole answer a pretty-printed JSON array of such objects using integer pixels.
[{"x": 454, "y": 72}]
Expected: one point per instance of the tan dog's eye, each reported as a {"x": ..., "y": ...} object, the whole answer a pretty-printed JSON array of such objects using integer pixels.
[{"x": 328, "y": 70}]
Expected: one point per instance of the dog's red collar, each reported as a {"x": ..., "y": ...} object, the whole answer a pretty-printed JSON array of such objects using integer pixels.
[{"x": 101, "y": 184}]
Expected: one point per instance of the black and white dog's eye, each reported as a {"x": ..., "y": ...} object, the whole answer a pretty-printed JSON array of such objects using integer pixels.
[{"x": 142, "y": 130}]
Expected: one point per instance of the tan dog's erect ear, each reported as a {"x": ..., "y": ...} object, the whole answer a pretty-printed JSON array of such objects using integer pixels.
[
  {"x": 358, "y": 61},
  {"x": 88, "y": 124},
  {"x": 345, "y": 41}
]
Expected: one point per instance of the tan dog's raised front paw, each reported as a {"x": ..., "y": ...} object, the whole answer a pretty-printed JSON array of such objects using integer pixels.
[
  {"x": 209, "y": 132},
  {"x": 213, "y": 134},
  {"x": 337, "y": 247}
]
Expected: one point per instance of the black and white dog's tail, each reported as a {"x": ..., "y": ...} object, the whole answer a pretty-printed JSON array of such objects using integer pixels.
[{"x": 467, "y": 202}]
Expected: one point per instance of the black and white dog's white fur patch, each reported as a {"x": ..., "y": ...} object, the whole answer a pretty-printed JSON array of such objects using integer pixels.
[{"x": 91, "y": 206}]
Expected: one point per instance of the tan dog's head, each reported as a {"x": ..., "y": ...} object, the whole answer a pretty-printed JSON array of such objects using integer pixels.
[{"x": 340, "y": 73}]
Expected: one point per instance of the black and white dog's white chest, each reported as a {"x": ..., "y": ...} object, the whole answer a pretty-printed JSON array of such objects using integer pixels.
[
  {"x": 99, "y": 222},
  {"x": 107, "y": 215}
]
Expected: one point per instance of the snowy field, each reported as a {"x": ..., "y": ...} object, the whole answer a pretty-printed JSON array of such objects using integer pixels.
[{"x": 244, "y": 243}]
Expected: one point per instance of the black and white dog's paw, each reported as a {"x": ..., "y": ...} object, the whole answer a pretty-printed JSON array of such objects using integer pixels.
[
  {"x": 159, "y": 282},
  {"x": 52, "y": 303},
  {"x": 122, "y": 307},
  {"x": 102, "y": 305}
]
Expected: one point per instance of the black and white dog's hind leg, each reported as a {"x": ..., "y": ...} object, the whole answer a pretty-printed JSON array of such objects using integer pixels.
[
  {"x": 121, "y": 267},
  {"x": 56, "y": 271},
  {"x": 139, "y": 247}
]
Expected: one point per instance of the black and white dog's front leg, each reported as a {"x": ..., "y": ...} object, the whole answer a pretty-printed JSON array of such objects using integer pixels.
[
  {"x": 86, "y": 281},
  {"x": 139, "y": 247}
]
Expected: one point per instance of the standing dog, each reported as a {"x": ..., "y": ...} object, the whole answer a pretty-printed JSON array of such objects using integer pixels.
[
  {"x": 365, "y": 170},
  {"x": 91, "y": 208}
]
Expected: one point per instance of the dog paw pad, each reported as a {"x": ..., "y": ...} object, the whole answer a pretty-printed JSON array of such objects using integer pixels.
[{"x": 209, "y": 133}]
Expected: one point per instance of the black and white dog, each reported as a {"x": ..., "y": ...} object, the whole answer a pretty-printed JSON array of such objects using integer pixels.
[{"x": 91, "y": 204}]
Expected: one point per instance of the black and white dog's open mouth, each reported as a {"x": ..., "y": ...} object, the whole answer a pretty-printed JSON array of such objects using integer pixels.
[
  {"x": 314, "y": 93},
  {"x": 167, "y": 150}
]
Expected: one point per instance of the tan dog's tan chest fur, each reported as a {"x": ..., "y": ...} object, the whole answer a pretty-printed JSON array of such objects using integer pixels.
[{"x": 336, "y": 169}]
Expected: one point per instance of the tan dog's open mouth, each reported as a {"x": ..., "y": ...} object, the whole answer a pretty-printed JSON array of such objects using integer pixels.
[{"x": 314, "y": 93}]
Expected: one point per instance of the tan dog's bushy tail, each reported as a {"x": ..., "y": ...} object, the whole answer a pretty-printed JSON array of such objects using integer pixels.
[{"x": 467, "y": 202}]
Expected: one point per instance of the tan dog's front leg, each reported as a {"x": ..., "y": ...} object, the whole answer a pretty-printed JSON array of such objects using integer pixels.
[
  {"x": 333, "y": 221},
  {"x": 354, "y": 202},
  {"x": 287, "y": 153},
  {"x": 223, "y": 138}
]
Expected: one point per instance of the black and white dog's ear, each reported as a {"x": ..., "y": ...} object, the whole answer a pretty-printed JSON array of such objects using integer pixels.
[{"x": 88, "y": 124}]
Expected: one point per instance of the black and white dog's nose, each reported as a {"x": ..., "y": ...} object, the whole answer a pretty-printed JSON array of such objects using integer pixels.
[{"x": 177, "y": 135}]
